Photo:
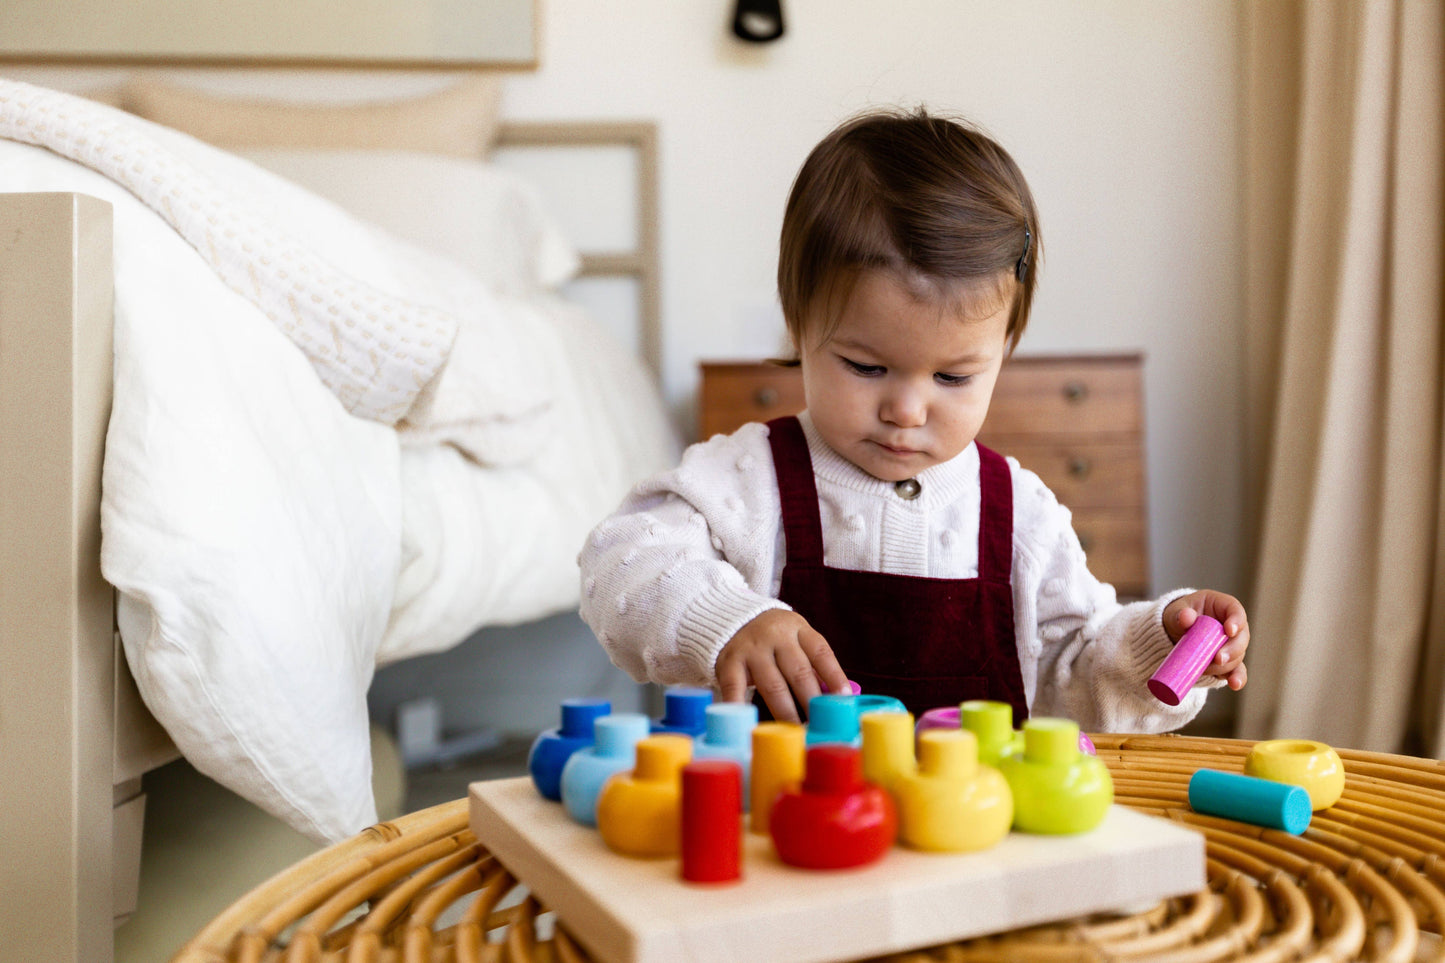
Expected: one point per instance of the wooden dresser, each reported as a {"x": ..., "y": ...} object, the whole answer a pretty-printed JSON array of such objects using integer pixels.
[{"x": 1076, "y": 420}]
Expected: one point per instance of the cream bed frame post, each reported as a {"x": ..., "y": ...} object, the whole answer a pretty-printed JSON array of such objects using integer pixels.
[
  {"x": 74, "y": 735},
  {"x": 56, "y": 613}
]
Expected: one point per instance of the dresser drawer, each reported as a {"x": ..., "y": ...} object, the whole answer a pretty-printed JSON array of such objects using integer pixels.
[
  {"x": 734, "y": 393},
  {"x": 1035, "y": 397},
  {"x": 1114, "y": 543},
  {"x": 1083, "y": 474},
  {"x": 1040, "y": 397}
]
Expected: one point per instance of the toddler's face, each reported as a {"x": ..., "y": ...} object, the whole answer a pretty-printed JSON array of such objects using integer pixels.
[{"x": 905, "y": 381}]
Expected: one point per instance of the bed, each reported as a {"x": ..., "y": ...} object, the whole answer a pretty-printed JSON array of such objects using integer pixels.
[{"x": 313, "y": 446}]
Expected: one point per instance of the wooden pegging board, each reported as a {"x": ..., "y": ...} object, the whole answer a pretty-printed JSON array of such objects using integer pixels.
[{"x": 641, "y": 911}]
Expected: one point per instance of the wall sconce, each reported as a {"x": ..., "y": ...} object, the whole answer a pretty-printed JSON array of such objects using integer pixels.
[{"x": 758, "y": 21}]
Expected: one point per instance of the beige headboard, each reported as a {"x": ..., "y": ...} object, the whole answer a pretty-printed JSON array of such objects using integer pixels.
[
  {"x": 460, "y": 119},
  {"x": 640, "y": 260}
]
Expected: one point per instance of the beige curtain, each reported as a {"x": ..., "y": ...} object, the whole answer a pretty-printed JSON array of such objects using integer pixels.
[{"x": 1344, "y": 316}]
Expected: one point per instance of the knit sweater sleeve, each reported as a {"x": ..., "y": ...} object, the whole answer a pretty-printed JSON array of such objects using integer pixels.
[
  {"x": 1086, "y": 657},
  {"x": 689, "y": 558}
]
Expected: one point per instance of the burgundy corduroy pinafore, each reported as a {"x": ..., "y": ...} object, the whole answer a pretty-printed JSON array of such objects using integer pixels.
[{"x": 929, "y": 642}]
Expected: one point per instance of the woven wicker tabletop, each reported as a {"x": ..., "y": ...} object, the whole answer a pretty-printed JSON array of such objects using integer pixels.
[{"x": 1366, "y": 881}]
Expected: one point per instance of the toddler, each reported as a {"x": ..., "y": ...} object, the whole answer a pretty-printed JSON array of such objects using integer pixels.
[{"x": 869, "y": 538}]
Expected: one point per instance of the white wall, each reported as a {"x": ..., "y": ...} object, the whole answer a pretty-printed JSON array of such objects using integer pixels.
[{"x": 1122, "y": 113}]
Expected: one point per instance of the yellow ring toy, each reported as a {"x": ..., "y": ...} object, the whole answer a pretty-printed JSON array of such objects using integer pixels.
[{"x": 1300, "y": 762}]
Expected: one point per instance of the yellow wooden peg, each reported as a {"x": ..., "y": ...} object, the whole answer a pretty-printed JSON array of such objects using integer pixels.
[
  {"x": 639, "y": 812},
  {"x": 779, "y": 751},
  {"x": 953, "y": 803},
  {"x": 887, "y": 748}
]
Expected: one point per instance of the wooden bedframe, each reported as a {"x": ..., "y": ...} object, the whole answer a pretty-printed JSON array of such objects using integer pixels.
[{"x": 75, "y": 738}]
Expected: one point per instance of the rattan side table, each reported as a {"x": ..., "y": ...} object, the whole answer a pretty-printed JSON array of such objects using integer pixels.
[{"x": 1365, "y": 882}]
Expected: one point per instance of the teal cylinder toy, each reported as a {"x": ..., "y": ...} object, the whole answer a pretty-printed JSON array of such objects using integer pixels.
[
  {"x": 1250, "y": 800},
  {"x": 614, "y": 749},
  {"x": 833, "y": 719},
  {"x": 729, "y": 735},
  {"x": 879, "y": 703}
]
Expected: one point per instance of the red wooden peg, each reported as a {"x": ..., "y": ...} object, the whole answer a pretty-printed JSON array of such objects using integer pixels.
[
  {"x": 712, "y": 809},
  {"x": 835, "y": 820}
]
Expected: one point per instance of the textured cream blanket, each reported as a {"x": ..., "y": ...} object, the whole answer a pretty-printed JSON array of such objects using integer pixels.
[{"x": 379, "y": 340}]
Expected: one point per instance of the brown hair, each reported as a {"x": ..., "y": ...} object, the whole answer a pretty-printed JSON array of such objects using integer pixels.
[{"x": 930, "y": 199}]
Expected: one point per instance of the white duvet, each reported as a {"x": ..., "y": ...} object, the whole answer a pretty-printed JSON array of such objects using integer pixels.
[{"x": 281, "y": 513}]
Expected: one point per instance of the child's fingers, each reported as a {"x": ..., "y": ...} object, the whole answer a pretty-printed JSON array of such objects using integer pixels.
[
  {"x": 732, "y": 680},
  {"x": 1229, "y": 660},
  {"x": 1227, "y": 609},
  {"x": 1232, "y": 652},
  {"x": 1235, "y": 622},
  {"x": 1238, "y": 677},
  {"x": 773, "y": 686},
  {"x": 1221, "y": 670},
  {"x": 824, "y": 663},
  {"x": 1184, "y": 618},
  {"x": 798, "y": 671}
]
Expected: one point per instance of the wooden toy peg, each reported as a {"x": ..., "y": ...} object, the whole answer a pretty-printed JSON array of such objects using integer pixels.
[
  {"x": 834, "y": 820},
  {"x": 712, "y": 802},
  {"x": 1250, "y": 799},
  {"x": 1313, "y": 766},
  {"x": 1056, "y": 788},
  {"x": 952, "y": 803},
  {"x": 639, "y": 813},
  {"x": 552, "y": 748},
  {"x": 613, "y": 750},
  {"x": 728, "y": 734},
  {"x": 887, "y": 747},
  {"x": 778, "y": 754},
  {"x": 1187, "y": 661}
]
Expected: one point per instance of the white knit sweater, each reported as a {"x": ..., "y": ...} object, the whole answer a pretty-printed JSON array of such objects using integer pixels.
[{"x": 696, "y": 552}]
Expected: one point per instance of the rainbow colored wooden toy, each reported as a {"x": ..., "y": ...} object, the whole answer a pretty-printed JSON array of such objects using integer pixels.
[{"x": 669, "y": 874}]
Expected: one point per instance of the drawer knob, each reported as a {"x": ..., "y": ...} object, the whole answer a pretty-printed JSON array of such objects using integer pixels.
[
  {"x": 765, "y": 397},
  {"x": 1076, "y": 391},
  {"x": 1079, "y": 467},
  {"x": 1086, "y": 542}
]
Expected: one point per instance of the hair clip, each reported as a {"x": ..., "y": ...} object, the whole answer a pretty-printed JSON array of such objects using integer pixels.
[{"x": 1022, "y": 268}]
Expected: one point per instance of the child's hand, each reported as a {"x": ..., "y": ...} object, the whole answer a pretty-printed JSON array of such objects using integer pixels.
[
  {"x": 1181, "y": 613},
  {"x": 783, "y": 657}
]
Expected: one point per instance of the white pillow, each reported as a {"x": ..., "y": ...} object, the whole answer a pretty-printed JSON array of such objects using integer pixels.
[{"x": 488, "y": 219}]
